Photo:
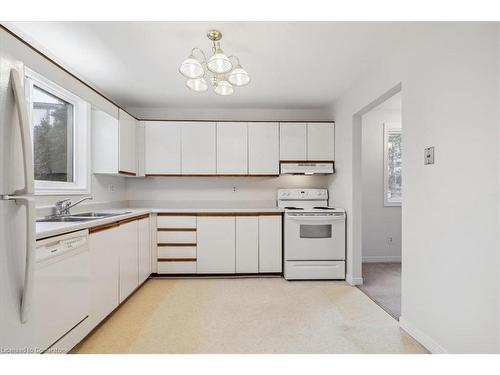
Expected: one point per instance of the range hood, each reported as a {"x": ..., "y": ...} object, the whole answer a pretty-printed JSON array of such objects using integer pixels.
[{"x": 307, "y": 167}]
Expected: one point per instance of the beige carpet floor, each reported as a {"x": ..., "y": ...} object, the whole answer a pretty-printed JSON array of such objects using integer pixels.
[
  {"x": 382, "y": 283},
  {"x": 253, "y": 315}
]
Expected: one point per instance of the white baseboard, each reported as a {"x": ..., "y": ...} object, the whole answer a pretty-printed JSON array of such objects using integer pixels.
[
  {"x": 382, "y": 259},
  {"x": 426, "y": 341},
  {"x": 354, "y": 280}
]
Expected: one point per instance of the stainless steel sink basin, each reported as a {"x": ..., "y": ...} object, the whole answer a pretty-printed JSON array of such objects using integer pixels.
[
  {"x": 84, "y": 216},
  {"x": 64, "y": 219},
  {"x": 98, "y": 214}
]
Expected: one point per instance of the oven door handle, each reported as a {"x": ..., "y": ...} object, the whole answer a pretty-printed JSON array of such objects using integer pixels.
[{"x": 305, "y": 219}]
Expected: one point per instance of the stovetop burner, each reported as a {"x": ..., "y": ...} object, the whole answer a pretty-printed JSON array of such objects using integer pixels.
[
  {"x": 323, "y": 208},
  {"x": 293, "y": 208}
]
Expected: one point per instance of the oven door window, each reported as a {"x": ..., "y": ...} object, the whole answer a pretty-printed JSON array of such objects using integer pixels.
[{"x": 316, "y": 231}]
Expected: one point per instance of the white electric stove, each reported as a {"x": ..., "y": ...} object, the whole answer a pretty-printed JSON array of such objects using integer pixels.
[{"x": 314, "y": 235}]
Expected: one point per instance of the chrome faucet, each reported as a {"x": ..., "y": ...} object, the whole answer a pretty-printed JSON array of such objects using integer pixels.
[{"x": 62, "y": 207}]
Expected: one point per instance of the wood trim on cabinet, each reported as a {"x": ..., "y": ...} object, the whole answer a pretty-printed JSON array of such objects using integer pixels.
[
  {"x": 208, "y": 175},
  {"x": 223, "y": 213},
  {"x": 135, "y": 218},
  {"x": 176, "y": 259},
  {"x": 176, "y": 229},
  {"x": 240, "y": 214},
  {"x": 127, "y": 173},
  {"x": 307, "y": 161},
  {"x": 249, "y": 121},
  {"x": 100, "y": 228},
  {"x": 224, "y": 275},
  {"x": 176, "y": 244}
]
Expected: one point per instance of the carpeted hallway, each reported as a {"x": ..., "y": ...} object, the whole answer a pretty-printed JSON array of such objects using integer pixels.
[
  {"x": 382, "y": 283},
  {"x": 254, "y": 315}
]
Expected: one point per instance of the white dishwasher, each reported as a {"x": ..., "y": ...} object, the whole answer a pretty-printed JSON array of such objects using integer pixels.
[{"x": 62, "y": 288}]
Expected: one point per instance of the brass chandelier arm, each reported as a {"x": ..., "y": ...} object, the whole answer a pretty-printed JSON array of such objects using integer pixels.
[
  {"x": 202, "y": 53},
  {"x": 236, "y": 58}
]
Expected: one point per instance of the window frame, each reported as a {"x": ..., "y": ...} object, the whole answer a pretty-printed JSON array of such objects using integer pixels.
[
  {"x": 389, "y": 128},
  {"x": 81, "y": 137}
]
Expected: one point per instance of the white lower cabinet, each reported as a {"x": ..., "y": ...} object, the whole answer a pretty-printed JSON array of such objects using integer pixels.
[
  {"x": 144, "y": 249},
  {"x": 216, "y": 244},
  {"x": 209, "y": 244},
  {"x": 129, "y": 259},
  {"x": 270, "y": 244},
  {"x": 105, "y": 272},
  {"x": 247, "y": 244}
]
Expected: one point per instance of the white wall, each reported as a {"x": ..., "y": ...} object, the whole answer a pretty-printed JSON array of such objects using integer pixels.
[
  {"x": 379, "y": 222},
  {"x": 449, "y": 74},
  {"x": 215, "y": 191}
]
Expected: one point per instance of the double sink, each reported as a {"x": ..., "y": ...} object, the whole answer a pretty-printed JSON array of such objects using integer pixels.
[{"x": 85, "y": 216}]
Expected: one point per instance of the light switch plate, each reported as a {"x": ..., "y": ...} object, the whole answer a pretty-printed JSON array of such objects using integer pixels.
[{"x": 429, "y": 155}]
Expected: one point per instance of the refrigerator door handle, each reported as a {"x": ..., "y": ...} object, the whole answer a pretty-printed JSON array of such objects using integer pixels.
[
  {"x": 22, "y": 114},
  {"x": 29, "y": 267}
]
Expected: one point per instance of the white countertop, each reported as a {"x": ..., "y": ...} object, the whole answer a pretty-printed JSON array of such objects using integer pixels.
[
  {"x": 44, "y": 229},
  {"x": 216, "y": 210}
]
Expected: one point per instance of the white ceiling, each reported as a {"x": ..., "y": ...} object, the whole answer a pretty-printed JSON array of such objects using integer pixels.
[{"x": 292, "y": 64}]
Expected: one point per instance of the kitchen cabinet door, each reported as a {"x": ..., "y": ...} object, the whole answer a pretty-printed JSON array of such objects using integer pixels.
[
  {"x": 104, "y": 273},
  {"x": 232, "y": 148},
  {"x": 144, "y": 249},
  {"x": 162, "y": 148},
  {"x": 127, "y": 154},
  {"x": 129, "y": 260},
  {"x": 104, "y": 142},
  {"x": 198, "y": 148},
  {"x": 321, "y": 141},
  {"x": 293, "y": 141},
  {"x": 270, "y": 247},
  {"x": 247, "y": 244},
  {"x": 263, "y": 148},
  {"x": 215, "y": 244}
]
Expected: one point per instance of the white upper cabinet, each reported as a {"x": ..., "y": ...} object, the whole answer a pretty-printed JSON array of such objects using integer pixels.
[
  {"x": 232, "y": 155},
  {"x": 198, "y": 148},
  {"x": 114, "y": 143},
  {"x": 263, "y": 148},
  {"x": 104, "y": 142},
  {"x": 127, "y": 154},
  {"x": 293, "y": 141},
  {"x": 162, "y": 148},
  {"x": 321, "y": 141}
]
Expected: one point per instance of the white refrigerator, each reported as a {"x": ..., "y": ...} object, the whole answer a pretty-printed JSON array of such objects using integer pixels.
[{"x": 17, "y": 212}]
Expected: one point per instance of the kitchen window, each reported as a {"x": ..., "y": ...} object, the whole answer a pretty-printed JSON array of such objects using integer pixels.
[
  {"x": 392, "y": 164},
  {"x": 60, "y": 133}
]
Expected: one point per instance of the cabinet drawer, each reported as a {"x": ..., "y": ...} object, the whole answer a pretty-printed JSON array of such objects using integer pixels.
[
  {"x": 177, "y": 267},
  {"x": 176, "y": 221},
  {"x": 172, "y": 252},
  {"x": 176, "y": 237}
]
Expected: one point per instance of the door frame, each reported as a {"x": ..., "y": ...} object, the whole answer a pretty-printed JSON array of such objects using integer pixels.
[{"x": 356, "y": 278}]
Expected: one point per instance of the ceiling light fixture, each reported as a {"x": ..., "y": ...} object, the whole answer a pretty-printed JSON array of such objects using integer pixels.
[{"x": 222, "y": 73}]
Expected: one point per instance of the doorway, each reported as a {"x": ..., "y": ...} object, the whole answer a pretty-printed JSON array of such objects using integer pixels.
[{"x": 381, "y": 203}]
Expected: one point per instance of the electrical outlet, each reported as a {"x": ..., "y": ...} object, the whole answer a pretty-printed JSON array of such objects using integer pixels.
[
  {"x": 389, "y": 240},
  {"x": 234, "y": 189},
  {"x": 111, "y": 188},
  {"x": 429, "y": 155}
]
